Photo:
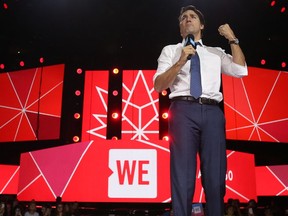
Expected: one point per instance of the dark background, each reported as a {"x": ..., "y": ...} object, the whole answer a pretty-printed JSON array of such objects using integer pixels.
[
  {"x": 105, "y": 33},
  {"x": 102, "y": 34}
]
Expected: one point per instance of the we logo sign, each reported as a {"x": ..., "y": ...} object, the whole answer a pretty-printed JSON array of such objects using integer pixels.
[{"x": 134, "y": 173}]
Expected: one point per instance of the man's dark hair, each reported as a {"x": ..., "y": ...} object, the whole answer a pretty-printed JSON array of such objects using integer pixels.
[{"x": 193, "y": 8}]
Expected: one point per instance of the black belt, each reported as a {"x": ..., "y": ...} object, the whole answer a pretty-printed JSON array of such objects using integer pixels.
[{"x": 200, "y": 100}]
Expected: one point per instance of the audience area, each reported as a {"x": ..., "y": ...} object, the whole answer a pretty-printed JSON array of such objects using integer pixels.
[{"x": 10, "y": 206}]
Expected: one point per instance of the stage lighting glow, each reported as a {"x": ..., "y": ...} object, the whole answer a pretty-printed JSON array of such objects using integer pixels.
[
  {"x": 5, "y": 6},
  {"x": 115, "y": 115},
  {"x": 283, "y": 64},
  {"x": 77, "y": 92},
  {"x": 115, "y": 93},
  {"x": 165, "y": 138},
  {"x": 114, "y": 138},
  {"x": 279, "y": 5},
  {"x": 22, "y": 63},
  {"x": 115, "y": 70},
  {"x": 41, "y": 60},
  {"x": 2, "y": 66},
  {"x": 76, "y": 139},
  {"x": 263, "y": 62},
  {"x": 165, "y": 115},
  {"x": 79, "y": 71},
  {"x": 164, "y": 93},
  {"x": 77, "y": 115}
]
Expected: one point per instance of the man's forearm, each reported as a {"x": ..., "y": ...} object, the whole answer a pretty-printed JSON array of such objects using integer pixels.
[
  {"x": 237, "y": 54},
  {"x": 164, "y": 80}
]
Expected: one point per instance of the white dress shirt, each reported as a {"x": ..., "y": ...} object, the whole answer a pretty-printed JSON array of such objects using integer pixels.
[{"x": 213, "y": 61}]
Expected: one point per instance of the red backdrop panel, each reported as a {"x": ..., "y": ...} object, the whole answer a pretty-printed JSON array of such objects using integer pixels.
[
  {"x": 30, "y": 103},
  {"x": 95, "y": 105},
  {"x": 272, "y": 180},
  {"x": 140, "y": 117},
  {"x": 97, "y": 172},
  {"x": 252, "y": 108},
  {"x": 118, "y": 171},
  {"x": 9, "y": 179},
  {"x": 240, "y": 178}
]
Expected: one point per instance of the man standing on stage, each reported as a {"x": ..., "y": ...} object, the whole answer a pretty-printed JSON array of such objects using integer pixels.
[{"x": 192, "y": 71}]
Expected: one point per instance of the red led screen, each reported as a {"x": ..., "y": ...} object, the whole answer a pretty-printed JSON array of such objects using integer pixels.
[
  {"x": 240, "y": 178},
  {"x": 133, "y": 169},
  {"x": 30, "y": 104},
  {"x": 251, "y": 109},
  {"x": 95, "y": 105},
  {"x": 254, "y": 106},
  {"x": 272, "y": 180},
  {"x": 140, "y": 117},
  {"x": 9, "y": 179},
  {"x": 117, "y": 171}
]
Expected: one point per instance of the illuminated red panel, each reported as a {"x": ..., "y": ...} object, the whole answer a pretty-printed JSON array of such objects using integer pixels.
[
  {"x": 240, "y": 178},
  {"x": 48, "y": 171},
  {"x": 9, "y": 179},
  {"x": 272, "y": 180},
  {"x": 252, "y": 107},
  {"x": 95, "y": 105},
  {"x": 118, "y": 171},
  {"x": 140, "y": 118},
  {"x": 106, "y": 162},
  {"x": 31, "y": 104}
]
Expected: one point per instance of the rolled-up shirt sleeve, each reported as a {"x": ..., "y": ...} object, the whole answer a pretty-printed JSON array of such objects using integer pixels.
[
  {"x": 228, "y": 66},
  {"x": 166, "y": 60}
]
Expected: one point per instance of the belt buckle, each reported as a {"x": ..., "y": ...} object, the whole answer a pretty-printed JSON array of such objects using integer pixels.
[{"x": 200, "y": 100}]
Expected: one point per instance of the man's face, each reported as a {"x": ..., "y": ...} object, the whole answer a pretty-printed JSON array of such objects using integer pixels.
[{"x": 190, "y": 24}]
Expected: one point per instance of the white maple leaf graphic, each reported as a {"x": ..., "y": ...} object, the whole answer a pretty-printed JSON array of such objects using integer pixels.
[
  {"x": 145, "y": 108},
  {"x": 147, "y": 117},
  {"x": 101, "y": 118}
]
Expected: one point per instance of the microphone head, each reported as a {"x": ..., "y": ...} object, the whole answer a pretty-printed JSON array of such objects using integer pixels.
[
  {"x": 190, "y": 40},
  {"x": 190, "y": 36}
]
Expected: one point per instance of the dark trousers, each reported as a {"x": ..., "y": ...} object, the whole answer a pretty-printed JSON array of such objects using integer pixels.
[{"x": 197, "y": 128}]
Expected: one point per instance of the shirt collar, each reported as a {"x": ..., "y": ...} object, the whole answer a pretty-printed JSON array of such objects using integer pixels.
[{"x": 199, "y": 41}]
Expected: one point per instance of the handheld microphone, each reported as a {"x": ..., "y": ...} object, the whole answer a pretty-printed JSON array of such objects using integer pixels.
[{"x": 190, "y": 41}]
